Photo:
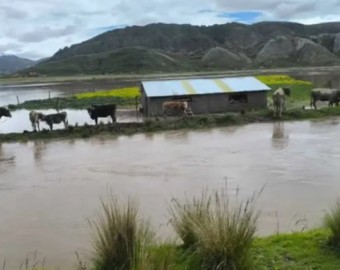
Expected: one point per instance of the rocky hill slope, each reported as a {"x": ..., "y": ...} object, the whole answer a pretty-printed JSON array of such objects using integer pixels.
[
  {"x": 12, "y": 63},
  {"x": 172, "y": 47}
]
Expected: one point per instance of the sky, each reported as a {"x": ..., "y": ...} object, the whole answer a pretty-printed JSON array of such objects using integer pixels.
[{"x": 38, "y": 28}]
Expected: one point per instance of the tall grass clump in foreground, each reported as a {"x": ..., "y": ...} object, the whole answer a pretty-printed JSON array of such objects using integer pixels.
[
  {"x": 332, "y": 223},
  {"x": 121, "y": 237},
  {"x": 221, "y": 231},
  {"x": 183, "y": 215}
]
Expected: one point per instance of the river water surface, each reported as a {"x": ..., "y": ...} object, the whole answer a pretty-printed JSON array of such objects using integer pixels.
[{"x": 49, "y": 189}]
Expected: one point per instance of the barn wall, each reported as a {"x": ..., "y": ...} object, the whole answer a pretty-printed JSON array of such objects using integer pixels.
[{"x": 213, "y": 103}]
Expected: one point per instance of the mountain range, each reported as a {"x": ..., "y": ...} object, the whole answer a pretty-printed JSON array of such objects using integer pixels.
[
  {"x": 172, "y": 47},
  {"x": 12, "y": 63}
]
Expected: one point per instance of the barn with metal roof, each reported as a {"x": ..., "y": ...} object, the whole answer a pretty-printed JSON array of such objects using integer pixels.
[{"x": 218, "y": 95}]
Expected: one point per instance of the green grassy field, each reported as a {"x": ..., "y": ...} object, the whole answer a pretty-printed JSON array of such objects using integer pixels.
[{"x": 296, "y": 251}]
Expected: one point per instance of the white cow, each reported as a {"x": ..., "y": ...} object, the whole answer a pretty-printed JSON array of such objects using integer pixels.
[{"x": 279, "y": 98}]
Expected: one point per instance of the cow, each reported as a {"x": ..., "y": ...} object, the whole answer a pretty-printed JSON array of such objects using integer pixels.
[
  {"x": 55, "y": 118},
  {"x": 324, "y": 94},
  {"x": 35, "y": 118},
  {"x": 5, "y": 112},
  {"x": 177, "y": 105},
  {"x": 279, "y": 99},
  {"x": 97, "y": 111}
]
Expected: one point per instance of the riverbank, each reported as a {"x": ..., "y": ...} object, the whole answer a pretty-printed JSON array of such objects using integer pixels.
[
  {"x": 295, "y": 251},
  {"x": 192, "y": 123}
]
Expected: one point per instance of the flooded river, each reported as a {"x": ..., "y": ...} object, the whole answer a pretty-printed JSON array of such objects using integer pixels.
[{"x": 48, "y": 189}]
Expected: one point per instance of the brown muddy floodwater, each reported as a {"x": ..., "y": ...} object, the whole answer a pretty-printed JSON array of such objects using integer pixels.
[{"x": 49, "y": 189}]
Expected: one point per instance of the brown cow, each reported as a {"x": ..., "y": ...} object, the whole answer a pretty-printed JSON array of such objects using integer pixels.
[{"x": 177, "y": 105}]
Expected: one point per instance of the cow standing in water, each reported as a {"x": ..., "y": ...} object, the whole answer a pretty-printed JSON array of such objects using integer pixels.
[
  {"x": 35, "y": 118},
  {"x": 5, "y": 112},
  {"x": 97, "y": 111},
  {"x": 178, "y": 105},
  {"x": 279, "y": 100},
  {"x": 55, "y": 118}
]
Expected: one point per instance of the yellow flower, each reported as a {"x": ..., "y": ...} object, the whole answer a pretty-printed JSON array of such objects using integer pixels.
[
  {"x": 130, "y": 92},
  {"x": 281, "y": 79}
]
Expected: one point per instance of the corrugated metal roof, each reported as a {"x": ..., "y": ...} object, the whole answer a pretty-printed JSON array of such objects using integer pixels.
[{"x": 202, "y": 86}]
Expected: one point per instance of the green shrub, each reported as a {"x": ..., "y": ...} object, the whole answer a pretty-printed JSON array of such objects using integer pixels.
[
  {"x": 332, "y": 223},
  {"x": 218, "y": 231},
  {"x": 121, "y": 236},
  {"x": 185, "y": 215}
]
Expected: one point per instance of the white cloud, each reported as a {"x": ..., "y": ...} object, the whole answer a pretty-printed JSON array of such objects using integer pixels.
[{"x": 38, "y": 28}]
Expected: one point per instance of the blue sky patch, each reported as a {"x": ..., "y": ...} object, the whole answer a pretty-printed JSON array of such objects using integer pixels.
[{"x": 243, "y": 16}]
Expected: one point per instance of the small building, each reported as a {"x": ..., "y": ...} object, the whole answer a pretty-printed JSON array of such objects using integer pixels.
[{"x": 205, "y": 96}]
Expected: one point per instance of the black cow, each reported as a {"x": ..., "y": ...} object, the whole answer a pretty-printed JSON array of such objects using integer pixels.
[
  {"x": 5, "y": 112},
  {"x": 55, "y": 118},
  {"x": 97, "y": 111},
  {"x": 325, "y": 94}
]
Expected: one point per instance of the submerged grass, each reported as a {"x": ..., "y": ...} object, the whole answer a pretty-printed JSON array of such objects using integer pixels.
[{"x": 71, "y": 103}]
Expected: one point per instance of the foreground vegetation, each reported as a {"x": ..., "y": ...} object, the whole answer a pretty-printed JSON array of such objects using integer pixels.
[{"x": 216, "y": 231}]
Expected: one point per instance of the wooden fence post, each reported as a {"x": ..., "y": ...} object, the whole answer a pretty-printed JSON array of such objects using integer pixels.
[
  {"x": 18, "y": 100},
  {"x": 58, "y": 104},
  {"x": 136, "y": 99}
]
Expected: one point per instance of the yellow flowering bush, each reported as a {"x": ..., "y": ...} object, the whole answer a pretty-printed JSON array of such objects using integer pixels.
[
  {"x": 129, "y": 92},
  {"x": 281, "y": 79}
]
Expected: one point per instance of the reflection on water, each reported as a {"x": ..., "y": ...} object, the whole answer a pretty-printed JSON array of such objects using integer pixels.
[
  {"x": 280, "y": 137},
  {"x": 38, "y": 148}
]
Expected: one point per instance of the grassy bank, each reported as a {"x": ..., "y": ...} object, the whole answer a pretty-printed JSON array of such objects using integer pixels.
[
  {"x": 295, "y": 251},
  {"x": 197, "y": 122}
]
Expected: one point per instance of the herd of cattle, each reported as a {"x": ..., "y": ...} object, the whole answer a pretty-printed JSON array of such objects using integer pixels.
[
  {"x": 323, "y": 94},
  {"x": 95, "y": 112},
  {"x": 98, "y": 111}
]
